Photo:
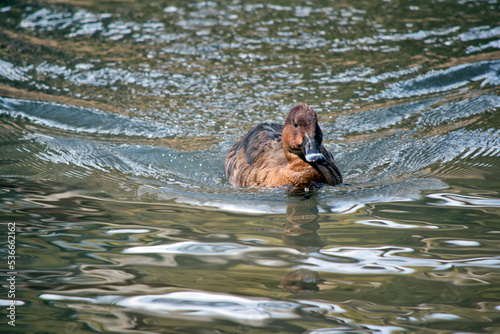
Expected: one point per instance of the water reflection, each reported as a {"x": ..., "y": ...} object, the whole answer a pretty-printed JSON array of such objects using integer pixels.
[
  {"x": 153, "y": 269},
  {"x": 301, "y": 234},
  {"x": 186, "y": 305},
  {"x": 463, "y": 201},
  {"x": 301, "y": 228},
  {"x": 205, "y": 307},
  {"x": 115, "y": 120}
]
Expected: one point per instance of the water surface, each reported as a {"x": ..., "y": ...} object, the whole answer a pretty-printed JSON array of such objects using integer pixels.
[{"x": 115, "y": 118}]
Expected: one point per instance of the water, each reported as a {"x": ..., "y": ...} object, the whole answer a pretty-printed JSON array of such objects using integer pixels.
[{"x": 115, "y": 120}]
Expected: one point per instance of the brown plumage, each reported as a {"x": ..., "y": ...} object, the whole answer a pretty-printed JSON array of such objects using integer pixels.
[{"x": 272, "y": 155}]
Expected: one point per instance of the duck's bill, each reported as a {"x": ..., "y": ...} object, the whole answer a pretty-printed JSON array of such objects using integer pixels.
[{"x": 310, "y": 148}]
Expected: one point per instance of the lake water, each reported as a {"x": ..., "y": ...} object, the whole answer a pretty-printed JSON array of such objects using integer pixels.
[{"x": 115, "y": 118}]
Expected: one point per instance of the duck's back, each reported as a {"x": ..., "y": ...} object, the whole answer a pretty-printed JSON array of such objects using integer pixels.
[{"x": 256, "y": 156}]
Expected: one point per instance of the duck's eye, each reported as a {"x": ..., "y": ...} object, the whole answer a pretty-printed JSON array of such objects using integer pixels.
[{"x": 295, "y": 125}]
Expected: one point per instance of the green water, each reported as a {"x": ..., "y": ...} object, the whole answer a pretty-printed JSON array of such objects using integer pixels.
[{"x": 115, "y": 118}]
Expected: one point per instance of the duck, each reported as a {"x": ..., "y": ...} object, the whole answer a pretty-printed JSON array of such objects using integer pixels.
[{"x": 273, "y": 155}]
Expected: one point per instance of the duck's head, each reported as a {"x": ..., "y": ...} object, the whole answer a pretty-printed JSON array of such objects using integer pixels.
[{"x": 302, "y": 135}]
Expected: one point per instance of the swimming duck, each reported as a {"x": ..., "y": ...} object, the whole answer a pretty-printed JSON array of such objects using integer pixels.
[{"x": 273, "y": 155}]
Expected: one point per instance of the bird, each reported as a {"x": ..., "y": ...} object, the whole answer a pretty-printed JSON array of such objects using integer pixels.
[{"x": 273, "y": 155}]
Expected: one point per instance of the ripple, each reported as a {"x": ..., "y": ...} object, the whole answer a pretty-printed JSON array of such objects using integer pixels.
[
  {"x": 8, "y": 302},
  {"x": 361, "y": 328},
  {"x": 84, "y": 23},
  {"x": 78, "y": 119},
  {"x": 457, "y": 200},
  {"x": 375, "y": 43},
  {"x": 492, "y": 44},
  {"x": 466, "y": 243},
  {"x": 340, "y": 260},
  {"x": 435, "y": 81},
  {"x": 11, "y": 72},
  {"x": 391, "y": 224},
  {"x": 196, "y": 177},
  {"x": 207, "y": 307},
  {"x": 128, "y": 231},
  {"x": 419, "y": 35},
  {"x": 456, "y": 110},
  {"x": 220, "y": 253},
  {"x": 386, "y": 260},
  {"x": 376, "y": 119},
  {"x": 482, "y": 32},
  {"x": 415, "y": 149}
]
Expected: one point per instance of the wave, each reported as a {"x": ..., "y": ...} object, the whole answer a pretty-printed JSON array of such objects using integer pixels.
[{"x": 411, "y": 145}]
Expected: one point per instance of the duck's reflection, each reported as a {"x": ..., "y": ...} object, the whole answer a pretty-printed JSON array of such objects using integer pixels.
[
  {"x": 302, "y": 216},
  {"x": 301, "y": 281},
  {"x": 300, "y": 233}
]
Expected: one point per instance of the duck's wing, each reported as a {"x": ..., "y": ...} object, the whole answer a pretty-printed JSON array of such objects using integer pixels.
[
  {"x": 259, "y": 149},
  {"x": 262, "y": 142}
]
